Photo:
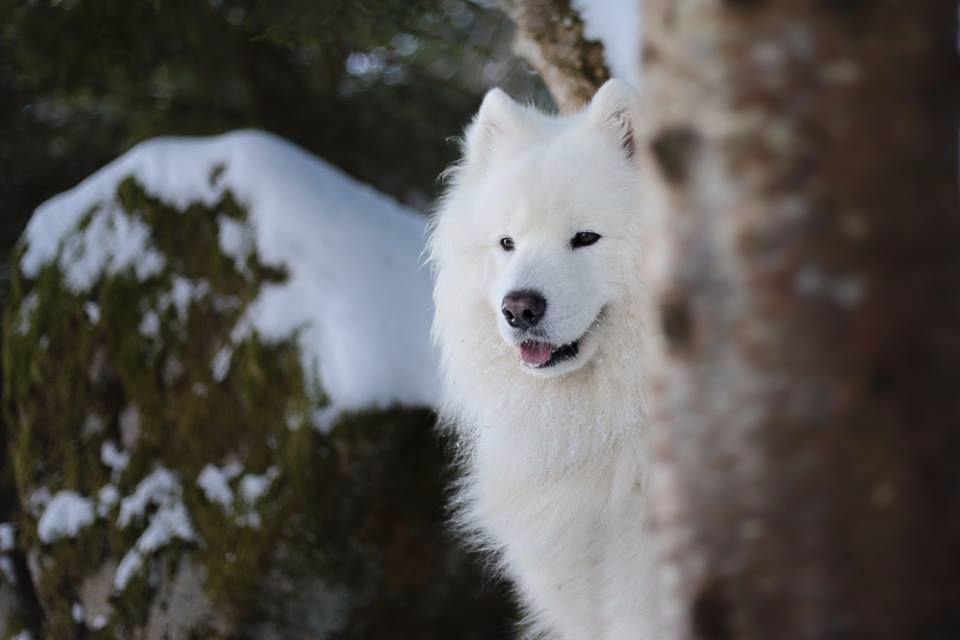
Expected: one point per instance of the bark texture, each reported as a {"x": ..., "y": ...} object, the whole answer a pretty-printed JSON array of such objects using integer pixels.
[
  {"x": 806, "y": 431},
  {"x": 550, "y": 36}
]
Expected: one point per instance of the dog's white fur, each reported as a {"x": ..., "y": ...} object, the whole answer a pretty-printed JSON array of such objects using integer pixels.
[{"x": 554, "y": 458}]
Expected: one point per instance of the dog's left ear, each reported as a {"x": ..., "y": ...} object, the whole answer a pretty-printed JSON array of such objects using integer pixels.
[{"x": 614, "y": 109}]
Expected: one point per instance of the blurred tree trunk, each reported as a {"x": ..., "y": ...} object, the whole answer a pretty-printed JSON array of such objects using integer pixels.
[
  {"x": 550, "y": 36},
  {"x": 806, "y": 474}
]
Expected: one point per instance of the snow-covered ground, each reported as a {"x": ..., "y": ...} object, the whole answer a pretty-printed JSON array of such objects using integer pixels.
[{"x": 357, "y": 290}]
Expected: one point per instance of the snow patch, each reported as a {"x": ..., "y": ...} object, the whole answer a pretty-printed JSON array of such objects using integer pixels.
[
  {"x": 184, "y": 292},
  {"x": 159, "y": 488},
  {"x": 112, "y": 241},
  {"x": 169, "y": 522},
  {"x": 92, "y": 309},
  {"x": 130, "y": 426},
  {"x": 92, "y": 425},
  {"x": 356, "y": 292},
  {"x": 215, "y": 483},
  {"x": 25, "y": 313},
  {"x": 107, "y": 499},
  {"x": 616, "y": 24},
  {"x": 8, "y": 537},
  {"x": 221, "y": 363},
  {"x": 253, "y": 487},
  {"x": 39, "y": 500},
  {"x": 8, "y": 542},
  {"x": 8, "y": 570},
  {"x": 150, "y": 324},
  {"x": 113, "y": 458},
  {"x": 99, "y": 622},
  {"x": 237, "y": 241},
  {"x": 65, "y": 516}
]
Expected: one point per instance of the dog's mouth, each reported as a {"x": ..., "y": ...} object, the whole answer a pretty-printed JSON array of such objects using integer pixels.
[
  {"x": 542, "y": 355},
  {"x": 536, "y": 352}
]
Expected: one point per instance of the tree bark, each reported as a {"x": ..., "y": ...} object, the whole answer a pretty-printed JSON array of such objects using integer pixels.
[
  {"x": 806, "y": 411},
  {"x": 550, "y": 36}
]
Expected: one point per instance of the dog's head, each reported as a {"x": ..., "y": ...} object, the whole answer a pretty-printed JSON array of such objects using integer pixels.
[{"x": 534, "y": 231}]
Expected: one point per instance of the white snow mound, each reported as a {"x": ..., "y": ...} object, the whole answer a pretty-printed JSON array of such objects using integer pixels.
[{"x": 357, "y": 291}]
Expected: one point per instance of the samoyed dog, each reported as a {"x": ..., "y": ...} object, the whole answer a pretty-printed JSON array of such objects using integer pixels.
[{"x": 537, "y": 249}]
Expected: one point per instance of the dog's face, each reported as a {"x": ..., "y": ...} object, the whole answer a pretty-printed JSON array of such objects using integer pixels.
[
  {"x": 555, "y": 255},
  {"x": 543, "y": 226}
]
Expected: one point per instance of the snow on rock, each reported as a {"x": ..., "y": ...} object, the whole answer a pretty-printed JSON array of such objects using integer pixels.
[
  {"x": 150, "y": 324},
  {"x": 8, "y": 570},
  {"x": 92, "y": 425},
  {"x": 236, "y": 240},
  {"x": 38, "y": 501},
  {"x": 170, "y": 521},
  {"x": 159, "y": 488},
  {"x": 130, "y": 426},
  {"x": 215, "y": 483},
  {"x": 253, "y": 487},
  {"x": 221, "y": 363},
  {"x": 25, "y": 315},
  {"x": 8, "y": 542},
  {"x": 8, "y": 537},
  {"x": 113, "y": 458},
  {"x": 65, "y": 516},
  {"x": 357, "y": 294},
  {"x": 616, "y": 24},
  {"x": 92, "y": 309},
  {"x": 184, "y": 291},
  {"x": 111, "y": 243},
  {"x": 107, "y": 498}
]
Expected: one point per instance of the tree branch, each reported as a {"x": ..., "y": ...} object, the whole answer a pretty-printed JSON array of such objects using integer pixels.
[{"x": 550, "y": 36}]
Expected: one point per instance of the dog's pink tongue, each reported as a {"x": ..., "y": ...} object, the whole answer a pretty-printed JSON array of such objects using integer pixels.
[{"x": 536, "y": 353}]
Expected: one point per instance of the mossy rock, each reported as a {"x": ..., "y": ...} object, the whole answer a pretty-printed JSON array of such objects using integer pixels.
[{"x": 218, "y": 509}]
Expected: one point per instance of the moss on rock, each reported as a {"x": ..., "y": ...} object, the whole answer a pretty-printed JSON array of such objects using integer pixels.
[{"x": 221, "y": 512}]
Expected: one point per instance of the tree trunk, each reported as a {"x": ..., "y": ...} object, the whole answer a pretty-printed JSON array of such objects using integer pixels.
[
  {"x": 550, "y": 37},
  {"x": 806, "y": 410}
]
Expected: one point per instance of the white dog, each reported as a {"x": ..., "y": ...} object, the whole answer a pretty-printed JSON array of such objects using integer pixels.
[{"x": 537, "y": 249}]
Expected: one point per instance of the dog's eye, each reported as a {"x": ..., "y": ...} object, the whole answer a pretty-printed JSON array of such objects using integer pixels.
[
  {"x": 584, "y": 239},
  {"x": 506, "y": 243}
]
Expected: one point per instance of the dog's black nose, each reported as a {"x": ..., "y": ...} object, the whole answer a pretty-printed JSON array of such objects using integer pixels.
[{"x": 523, "y": 309}]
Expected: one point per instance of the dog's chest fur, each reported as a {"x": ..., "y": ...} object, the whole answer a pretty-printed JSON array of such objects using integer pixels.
[{"x": 573, "y": 540}]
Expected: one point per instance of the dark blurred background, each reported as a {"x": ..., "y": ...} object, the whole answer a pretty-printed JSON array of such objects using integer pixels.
[{"x": 377, "y": 88}]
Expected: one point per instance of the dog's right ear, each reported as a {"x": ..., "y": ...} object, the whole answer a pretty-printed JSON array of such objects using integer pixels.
[
  {"x": 500, "y": 119},
  {"x": 613, "y": 109}
]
